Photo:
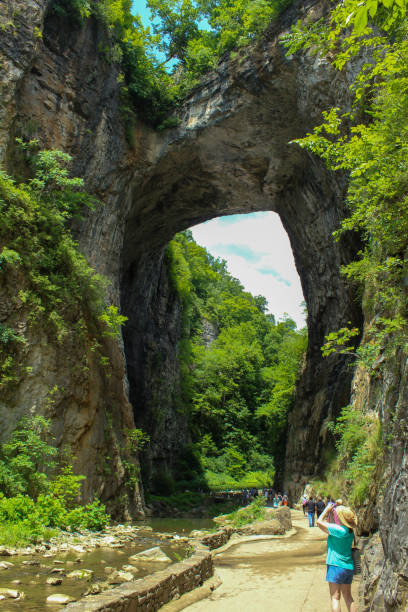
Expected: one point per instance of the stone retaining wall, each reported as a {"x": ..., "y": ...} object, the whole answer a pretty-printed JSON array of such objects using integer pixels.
[
  {"x": 151, "y": 593},
  {"x": 219, "y": 538}
]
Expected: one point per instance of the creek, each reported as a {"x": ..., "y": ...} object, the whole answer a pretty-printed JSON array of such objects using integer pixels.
[
  {"x": 29, "y": 572},
  {"x": 180, "y": 526}
]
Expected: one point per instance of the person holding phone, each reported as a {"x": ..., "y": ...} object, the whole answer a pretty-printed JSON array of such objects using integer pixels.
[{"x": 339, "y": 558}]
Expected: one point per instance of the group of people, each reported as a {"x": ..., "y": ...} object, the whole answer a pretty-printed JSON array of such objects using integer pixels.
[
  {"x": 272, "y": 497},
  {"x": 314, "y": 507},
  {"x": 338, "y": 522}
]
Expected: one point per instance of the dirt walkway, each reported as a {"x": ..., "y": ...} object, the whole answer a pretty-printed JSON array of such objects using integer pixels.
[{"x": 257, "y": 576}]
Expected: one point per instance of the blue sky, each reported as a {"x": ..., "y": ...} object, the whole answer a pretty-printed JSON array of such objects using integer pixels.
[
  {"x": 258, "y": 253},
  {"x": 139, "y": 7}
]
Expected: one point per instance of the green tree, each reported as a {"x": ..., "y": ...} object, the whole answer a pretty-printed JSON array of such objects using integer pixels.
[
  {"x": 27, "y": 459},
  {"x": 193, "y": 34},
  {"x": 252, "y": 362},
  {"x": 176, "y": 24}
]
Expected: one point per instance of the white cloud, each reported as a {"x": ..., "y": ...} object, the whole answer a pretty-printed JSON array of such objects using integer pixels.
[{"x": 258, "y": 253}]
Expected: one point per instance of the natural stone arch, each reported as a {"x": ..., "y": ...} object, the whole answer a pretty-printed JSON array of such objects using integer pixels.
[
  {"x": 60, "y": 89},
  {"x": 231, "y": 154}
]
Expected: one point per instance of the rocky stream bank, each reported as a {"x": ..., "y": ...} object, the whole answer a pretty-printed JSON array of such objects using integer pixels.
[{"x": 124, "y": 567}]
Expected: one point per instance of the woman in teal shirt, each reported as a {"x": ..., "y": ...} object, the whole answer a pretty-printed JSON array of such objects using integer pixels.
[{"x": 339, "y": 558}]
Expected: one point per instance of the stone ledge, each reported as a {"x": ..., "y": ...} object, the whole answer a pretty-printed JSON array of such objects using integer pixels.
[
  {"x": 218, "y": 539},
  {"x": 151, "y": 593}
]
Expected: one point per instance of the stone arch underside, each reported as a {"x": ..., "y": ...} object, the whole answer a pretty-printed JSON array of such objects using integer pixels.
[{"x": 232, "y": 154}]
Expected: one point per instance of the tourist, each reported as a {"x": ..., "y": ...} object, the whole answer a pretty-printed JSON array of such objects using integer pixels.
[
  {"x": 304, "y": 502},
  {"x": 339, "y": 559},
  {"x": 320, "y": 506},
  {"x": 311, "y": 509},
  {"x": 245, "y": 496}
]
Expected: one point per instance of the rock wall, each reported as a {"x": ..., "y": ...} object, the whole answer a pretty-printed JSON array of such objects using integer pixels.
[
  {"x": 56, "y": 86},
  {"x": 385, "y": 567},
  {"x": 151, "y": 340}
]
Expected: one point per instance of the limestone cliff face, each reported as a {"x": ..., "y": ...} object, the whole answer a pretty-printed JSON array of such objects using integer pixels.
[
  {"x": 385, "y": 568},
  {"x": 55, "y": 87},
  {"x": 229, "y": 154}
]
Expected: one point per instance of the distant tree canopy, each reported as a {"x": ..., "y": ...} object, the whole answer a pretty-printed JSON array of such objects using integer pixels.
[{"x": 237, "y": 387}]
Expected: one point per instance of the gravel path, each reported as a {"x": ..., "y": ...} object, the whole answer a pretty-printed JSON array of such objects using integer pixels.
[{"x": 288, "y": 573}]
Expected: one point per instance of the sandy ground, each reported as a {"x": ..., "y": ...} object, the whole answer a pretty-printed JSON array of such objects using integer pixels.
[{"x": 258, "y": 576}]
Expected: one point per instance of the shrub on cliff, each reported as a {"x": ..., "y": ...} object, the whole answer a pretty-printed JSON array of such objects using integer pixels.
[
  {"x": 42, "y": 271},
  {"x": 35, "y": 493}
]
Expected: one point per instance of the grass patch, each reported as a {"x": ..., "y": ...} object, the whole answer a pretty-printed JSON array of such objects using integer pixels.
[
  {"x": 243, "y": 516},
  {"x": 17, "y": 535}
]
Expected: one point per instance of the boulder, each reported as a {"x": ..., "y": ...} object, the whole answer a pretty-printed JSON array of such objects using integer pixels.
[
  {"x": 154, "y": 554},
  {"x": 94, "y": 589},
  {"x": 281, "y": 514},
  {"x": 58, "y": 570},
  {"x": 60, "y": 598},
  {"x": 80, "y": 574},
  {"x": 11, "y": 594},
  {"x": 120, "y": 577},
  {"x": 130, "y": 568},
  {"x": 197, "y": 534},
  {"x": 5, "y": 565},
  {"x": 54, "y": 580},
  {"x": 33, "y": 562},
  {"x": 270, "y": 527}
]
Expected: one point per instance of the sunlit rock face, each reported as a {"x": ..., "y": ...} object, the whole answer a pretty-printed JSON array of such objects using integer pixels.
[{"x": 231, "y": 153}]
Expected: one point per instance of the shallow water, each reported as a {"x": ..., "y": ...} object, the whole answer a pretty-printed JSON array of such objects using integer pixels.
[
  {"x": 181, "y": 526},
  {"x": 97, "y": 560}
]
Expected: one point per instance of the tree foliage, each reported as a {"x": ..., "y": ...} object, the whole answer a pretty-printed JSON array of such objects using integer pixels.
[
  {"x": 238, "y": 385},
  {"x": 38, "y": 489}
]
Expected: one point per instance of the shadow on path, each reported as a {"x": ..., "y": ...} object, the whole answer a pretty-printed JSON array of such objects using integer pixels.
[{"x": 259, "y": 575}]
